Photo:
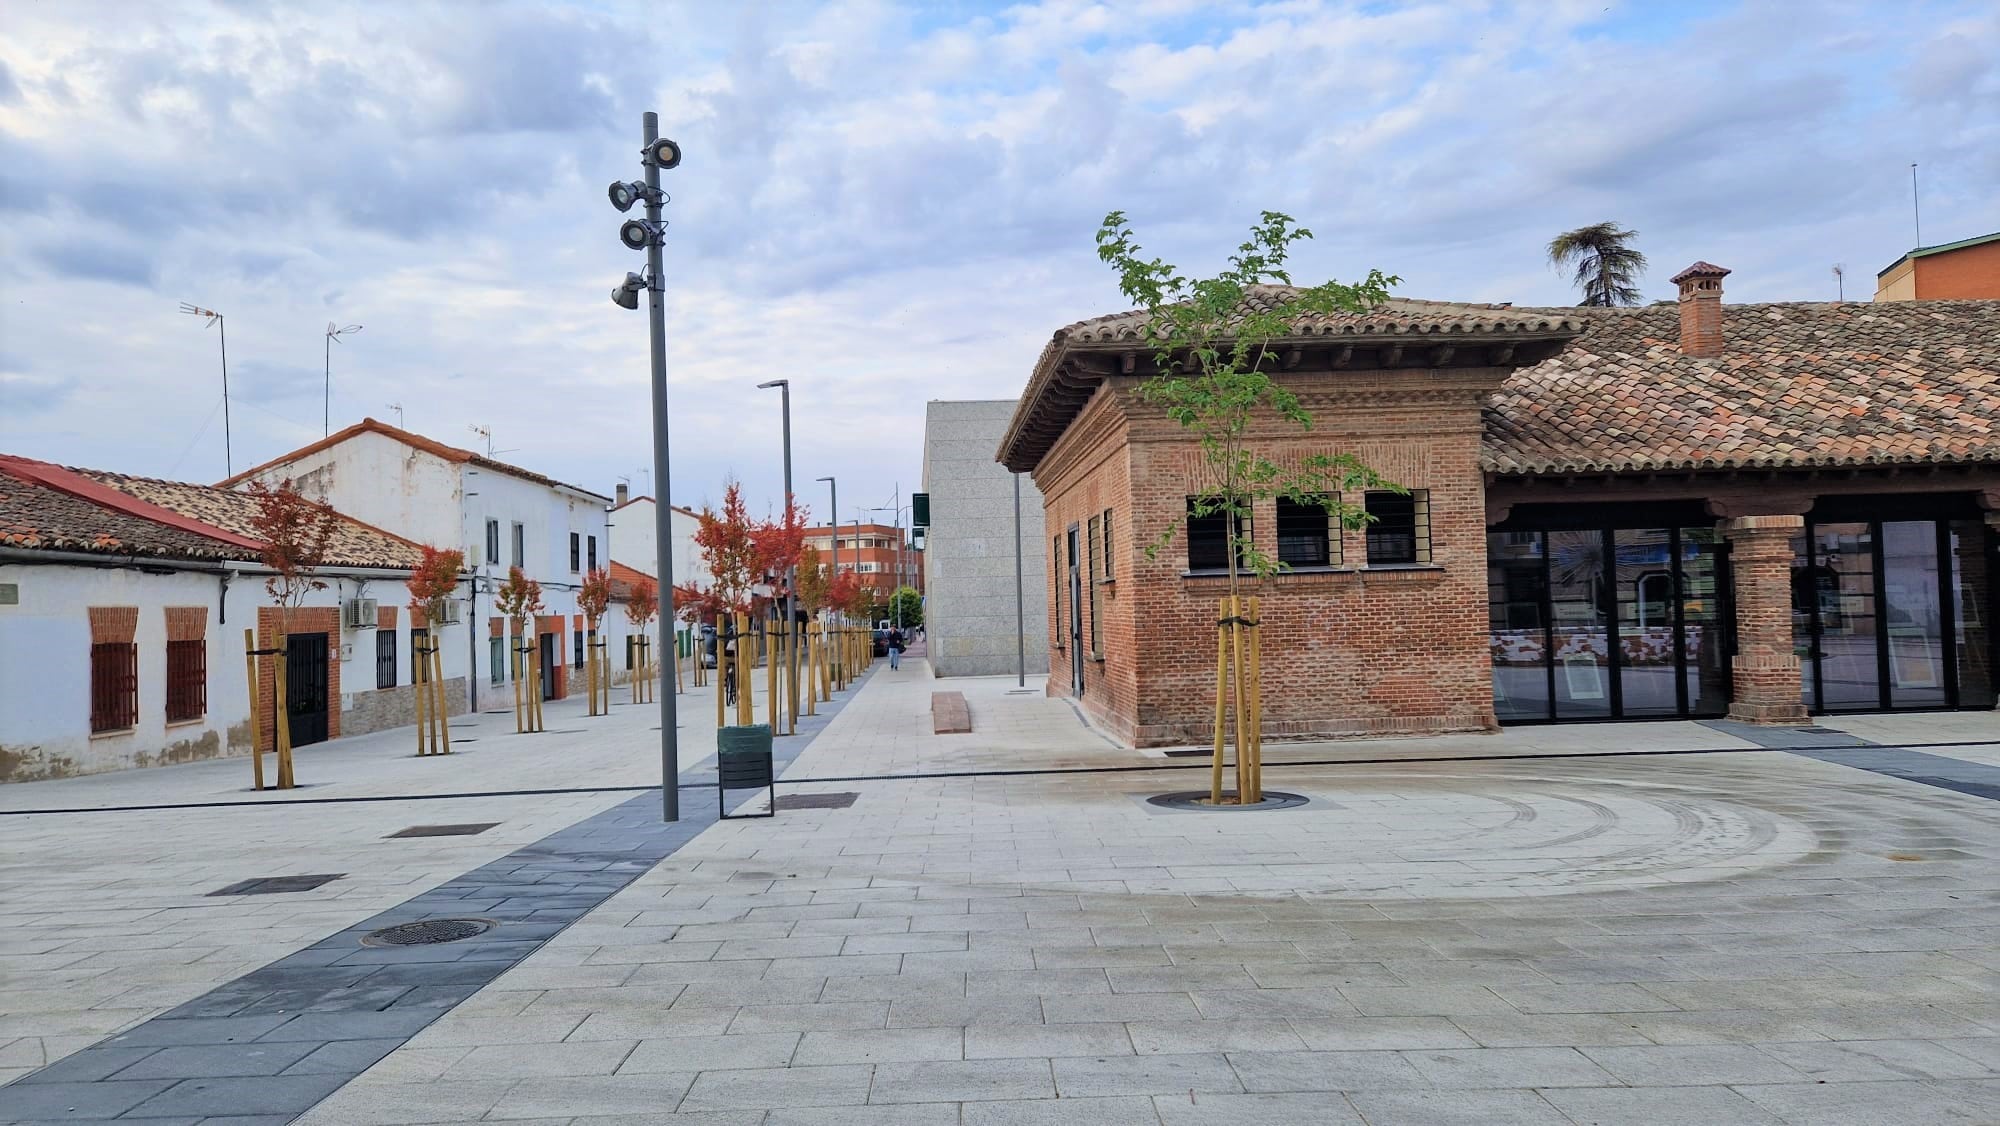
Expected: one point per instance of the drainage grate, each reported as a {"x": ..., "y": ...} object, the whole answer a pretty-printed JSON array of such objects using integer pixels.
[
  {"x": 469, "y": 829},
  {"x": 428, "y": 932},
  {"x": 817, "y": 801},
  {"x": 271, "y": 885}
]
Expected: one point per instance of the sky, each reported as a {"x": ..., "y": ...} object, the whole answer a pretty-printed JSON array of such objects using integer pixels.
[{"x": 883, "y": 203}]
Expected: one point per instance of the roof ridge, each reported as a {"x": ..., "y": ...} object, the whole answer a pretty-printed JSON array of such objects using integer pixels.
[
  {"x": 445, "y": 450},
  {"x": 73, "y": 482}
]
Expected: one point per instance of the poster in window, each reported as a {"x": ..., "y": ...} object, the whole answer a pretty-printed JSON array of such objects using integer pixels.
[
  {"x": 1912, "y": 663},
  {"x": 1584, "y": 676}
]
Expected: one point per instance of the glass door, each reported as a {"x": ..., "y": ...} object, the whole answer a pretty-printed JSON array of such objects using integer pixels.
[
  {"x": 1580, "y": 625},
  {"x": 1648, "y": 622},
  {"x": 1840, "y": 584},
  {"x": 1516, "y": 595},
  {"x": 1912, "y": 615}
]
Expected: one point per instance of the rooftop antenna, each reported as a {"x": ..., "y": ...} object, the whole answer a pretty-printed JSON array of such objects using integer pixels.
[
  {"x": 398, "y": 408},
  {"x": 1840, "y": 281},
  {"x": 1916, "y": 213},
  {"x": 486, "y": 432},
  {"x": 222, "y": 332}
]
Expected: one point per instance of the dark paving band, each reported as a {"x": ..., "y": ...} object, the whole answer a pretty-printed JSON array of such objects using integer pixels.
[
  {"x": 271, "y": 1043},
  {"x": 1975, "y": 779}
]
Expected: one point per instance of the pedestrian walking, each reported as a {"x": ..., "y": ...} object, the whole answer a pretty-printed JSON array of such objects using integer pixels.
[{"x": 895, "y": 648}]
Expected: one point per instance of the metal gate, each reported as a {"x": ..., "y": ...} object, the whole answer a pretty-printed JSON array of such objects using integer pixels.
[
  {"x": 549, "y": 659},
  {"x": 305, "y": 687}
]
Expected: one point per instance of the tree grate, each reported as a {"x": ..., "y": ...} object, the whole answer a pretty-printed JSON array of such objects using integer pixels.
[
  {"x": 427, "y": 932},
  {"x": 1198, "y": 800},
  {"x": 817, "y": 801},
  {"x": 472, "y": 828},
  {"x": 272, "y": 885}
]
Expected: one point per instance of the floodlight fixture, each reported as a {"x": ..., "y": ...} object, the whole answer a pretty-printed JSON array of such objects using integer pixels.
[
  {"x": 625, "y": 193},
  {"x": 661, "y": 153},
  {"x": 626, "y": 295},
  {"x": 638, "y": 234},
  {"x": 774, "y": 383}
]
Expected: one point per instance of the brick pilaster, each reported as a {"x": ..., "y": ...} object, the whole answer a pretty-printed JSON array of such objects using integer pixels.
[{"x": 1766, "y": 670}]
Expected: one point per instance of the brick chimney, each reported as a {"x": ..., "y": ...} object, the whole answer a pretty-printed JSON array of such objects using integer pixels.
[
  {"x": 1701, "y": 309},
  {"x": 624, "y": 493}
]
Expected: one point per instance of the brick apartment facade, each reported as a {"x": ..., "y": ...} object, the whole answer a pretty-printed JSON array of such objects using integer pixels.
[
  {"x": 1637, "y": 513},
  {"x": 869, "y": 552}
]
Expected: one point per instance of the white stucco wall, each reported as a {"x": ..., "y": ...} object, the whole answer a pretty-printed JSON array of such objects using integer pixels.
[
  {"x": 45, "y": 665},
  {"x": 632, "y": 530},
  {"x": 381, "y": 481}
]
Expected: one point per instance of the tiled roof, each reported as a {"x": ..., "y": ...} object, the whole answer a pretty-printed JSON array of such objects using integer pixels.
[
  {"x": 56, "y": 508},
  {"x": 1398, "y": 316},
  {"x": 1798, "y": 385},
  {"x": 354, "y": 543},
  {"x": 624, "y": 579},
  {"x": 428, "y": 445},
  {"x": 41, "y": 518}
]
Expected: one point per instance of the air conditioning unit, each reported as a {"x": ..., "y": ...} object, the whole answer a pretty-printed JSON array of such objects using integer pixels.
[
  {"x": 454, "y": 612},
  {"x": 359, "y": 613}
]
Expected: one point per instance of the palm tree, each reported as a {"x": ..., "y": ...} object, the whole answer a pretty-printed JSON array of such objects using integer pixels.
[{"x": 1607, "y": 270}]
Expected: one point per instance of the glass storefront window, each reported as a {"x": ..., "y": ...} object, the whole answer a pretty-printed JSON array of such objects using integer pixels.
[
  {"x": 1911, "y": 614},
  {"x": 1972, "y": 612},
  {"x": 1515, "y": 593}
]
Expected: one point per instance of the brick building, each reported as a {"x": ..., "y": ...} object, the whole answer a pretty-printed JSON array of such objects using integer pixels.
[
  {"x": 869, "y": 552},
  {"x": 1969, "y": 268},
  {"x": 1675, "y": 511}
]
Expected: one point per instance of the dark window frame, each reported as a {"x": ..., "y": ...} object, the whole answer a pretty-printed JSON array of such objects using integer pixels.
[
  {"x": 1090, "y": 585},
  {"x": 1309, "y": 526},
  {"x": 1399, "y": 533},
  {"x": 114, "y": 686},
  {"x": 187, "y": 680},
  {"x": 493, "y": 542},
  {"x": 386, "y": 654},
  {"x": 591, "y": 554},
  {"x": 579, "y": 648},
  {"x": 520, "y": 544},
  {"x": 419, "y": 668},
  {"x": 1109, "y": 574},
  {"x": 1056, "y": 603},
  {"x": 1208, "y": 539},
  {"x": 575, "y": 552}
]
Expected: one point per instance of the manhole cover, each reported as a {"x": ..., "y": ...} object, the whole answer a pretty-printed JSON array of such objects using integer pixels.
[
  {"x": 271, "y": 885},
  {"x": 817, "y": 801},
  {"x": 428, "y": 932},
  {"x": 466, "y": 830},
  {"x": 1198, "y": 800}
]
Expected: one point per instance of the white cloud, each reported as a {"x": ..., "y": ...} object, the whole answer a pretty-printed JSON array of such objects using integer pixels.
[{"x": 884, "y": 202}]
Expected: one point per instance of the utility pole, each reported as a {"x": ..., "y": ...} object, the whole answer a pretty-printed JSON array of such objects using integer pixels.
[{"x": 784, "y": 387}]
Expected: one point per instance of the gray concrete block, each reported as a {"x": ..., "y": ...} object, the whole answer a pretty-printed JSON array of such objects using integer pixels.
[
  {"x": 1456, "y": 1108},
  {"x": 1088, "y": 1076},
  {"x": 262, "y": 1094},
  {"x": 202, "y": 1061},
  {"x": 962, "y": 1081},
  {"x": 1324, "y": 1071},
  {"x": 878, "y": 1045},
  {"x": 1024, "y": 1041}
]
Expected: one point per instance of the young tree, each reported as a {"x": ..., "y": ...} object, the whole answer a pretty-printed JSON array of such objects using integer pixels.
[
  {"x": 432, "y": 586},
  {"x": 519, "y": 599},
  {"x": 728, "y": 546},
  {"x": 642, "y": 604},
  {"x": 1212, "y": 340},
  {"x": 813, "y": 579},
  {"x": 906, "y": 608},
  {"x": 1606, "y": 267},
  {"x": 295, "y": 532},
  {"x": 593, "y": 598}
]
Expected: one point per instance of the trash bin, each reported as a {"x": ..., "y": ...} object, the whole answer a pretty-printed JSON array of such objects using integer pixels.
[{"x": 743, "y": 762}]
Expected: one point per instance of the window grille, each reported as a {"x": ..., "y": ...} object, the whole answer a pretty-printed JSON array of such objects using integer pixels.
[
  {"x": 1108, "y": 573},
  {"x": 593, "y": 553},
  {"x": 496, "y": 657},
  {"x": 1400, "y": 532},
  {"x": 493, "y": 542},
  {"x": 1308, "y": 535},
  {"x": 187, "y": 680},
  {"x": 520, "y": 545},
  {"x": 1057, "y": 602},
  {"x": 114, "y": 686},
  {"x": 385, "y": 658},
  {"x": 1208, "y": 539},
  {"x": 575, "y": 552},
  {"x": 579, "y": 649}
]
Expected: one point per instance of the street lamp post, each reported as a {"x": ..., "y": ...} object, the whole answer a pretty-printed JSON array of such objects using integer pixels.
[
  {"x": 784, "y": 387},
  {"x": 833, "y": 522},
  {"x": 333, "y": 333},
  {"x": 896, "y": 580},
  {"x": 647, "y": 234}
]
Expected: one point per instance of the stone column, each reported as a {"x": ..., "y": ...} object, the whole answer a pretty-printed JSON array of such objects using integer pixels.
[{"x": 1766, "y": 671}]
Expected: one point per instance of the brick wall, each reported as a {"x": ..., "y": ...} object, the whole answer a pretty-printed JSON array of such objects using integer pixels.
[
  {"x": 1352, "y": 652},
  {"x": 309, "y": 619}
]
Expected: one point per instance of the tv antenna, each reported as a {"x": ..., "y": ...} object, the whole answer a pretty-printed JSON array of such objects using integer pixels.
[
  {"x": 222, "y": 335},
  {"x": 398, "y": 408},
  {"x": 1840, "y": 281},
  {"x": 486, "y": 432}
]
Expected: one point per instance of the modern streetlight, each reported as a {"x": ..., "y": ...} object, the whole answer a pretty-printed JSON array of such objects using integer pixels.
[
  {"x": 833, "y": 522},
  {"x": 896, "y": 584},
  {"x": 333, "y": 333},
  {"x": 1020, "y": 605},
  {"x": 784, "y": 387},
  {"x": 222, "y": 330},
  {"x": 657, "y": 153}
]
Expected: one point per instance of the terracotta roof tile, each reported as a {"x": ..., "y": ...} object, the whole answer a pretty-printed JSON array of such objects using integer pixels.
[
  {"x": 1798, "y": 384},
  {"x": 41, "y": 518}
]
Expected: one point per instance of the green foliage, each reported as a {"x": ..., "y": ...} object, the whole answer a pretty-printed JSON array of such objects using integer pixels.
[
  {"x": 1606, "y": 267},
  {"x": 1212, "y": 344},
  {"x": 907, "y": 606}
]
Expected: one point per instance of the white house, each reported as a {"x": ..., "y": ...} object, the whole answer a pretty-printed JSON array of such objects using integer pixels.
[
  {"x": 123, "y": 606},
  {"x": 634, "y": 523},
  {"x": 501, "y": 515}
]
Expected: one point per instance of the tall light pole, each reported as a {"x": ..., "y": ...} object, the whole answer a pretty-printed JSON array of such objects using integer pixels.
[
  {"x": 784, "y": 387},
  {"x": 896, "y": 583},
  {"x": 833, "y": 522},
  {"x": 647, "y": 234},
  {"x": 222, "y": 330},
  {"x": 333, "y": 333}
]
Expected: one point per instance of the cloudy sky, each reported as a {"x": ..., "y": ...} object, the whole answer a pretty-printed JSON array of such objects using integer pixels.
[{"x": 886, "y": 203}]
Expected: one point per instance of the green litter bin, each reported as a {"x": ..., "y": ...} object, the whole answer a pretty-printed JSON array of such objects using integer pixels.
[{"x": 743, "y": 762}]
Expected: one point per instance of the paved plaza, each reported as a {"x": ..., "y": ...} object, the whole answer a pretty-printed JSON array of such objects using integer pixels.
[{"x": 1642, "y": 923}]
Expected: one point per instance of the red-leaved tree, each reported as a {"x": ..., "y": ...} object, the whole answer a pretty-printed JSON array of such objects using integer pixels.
[
  {"x": 728, "y": 544},
  {"x": 594, "y": 596},
  {"x": 296, "y": 532},
  {"x": 433, "y": 583},
  {"x": 642, "y": 603},
  {"x": 778, "y": 543}
]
